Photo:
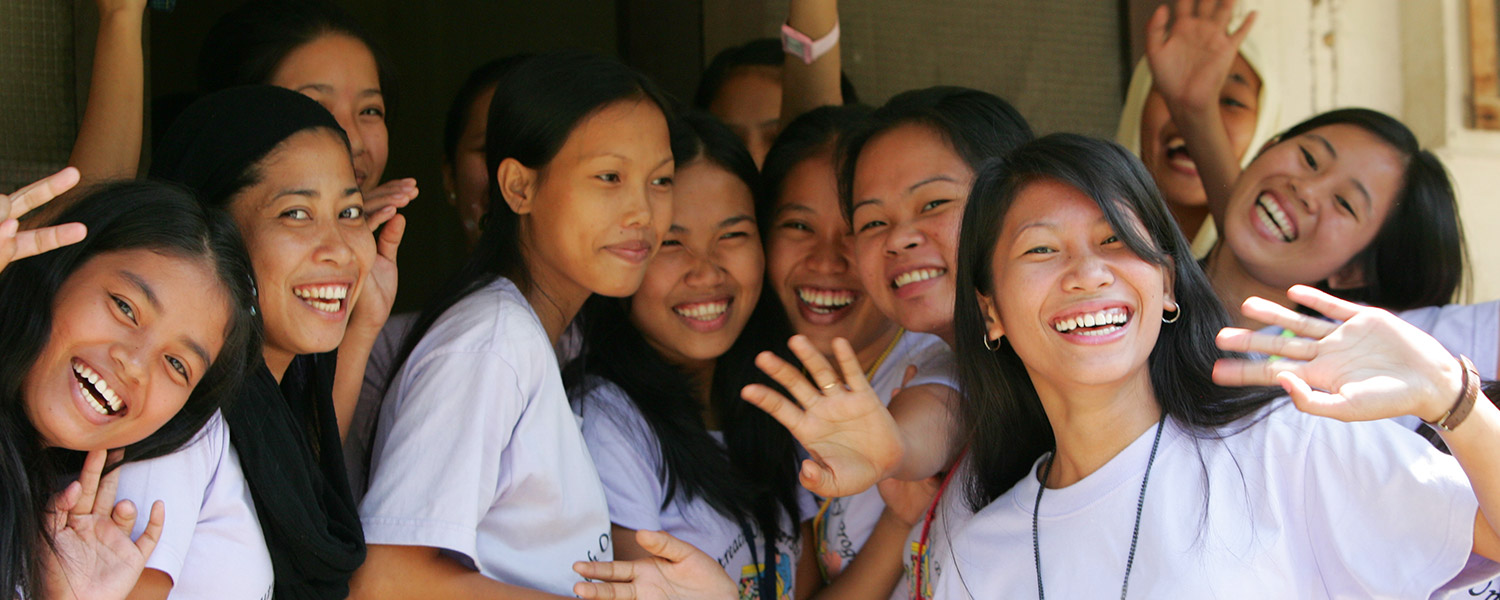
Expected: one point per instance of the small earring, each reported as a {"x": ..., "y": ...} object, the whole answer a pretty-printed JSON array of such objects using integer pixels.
[
  {"x": 1176, "y": 314},
  {"x": 987, "y": 345}
]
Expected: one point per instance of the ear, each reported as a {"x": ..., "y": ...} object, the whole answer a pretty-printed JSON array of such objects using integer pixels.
[
  {"x": 1169, "y": 286},
  {"x": 450, "y": 186},
  {"x": 993, "y": 330},
  {"x": 1349, "y": 277},
  {"x": 518, "y": 184}
]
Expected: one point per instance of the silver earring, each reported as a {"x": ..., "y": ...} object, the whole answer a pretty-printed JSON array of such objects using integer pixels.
[
  {"x": 987, "y": 345},
  {"x": 1177, "y": 314}
]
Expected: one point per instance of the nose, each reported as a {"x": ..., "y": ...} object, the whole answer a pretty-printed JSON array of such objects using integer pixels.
[
  {"x": 636, "y": 208},
  {"x": 333, "y": 247},
  {"x": 346, "y": 118},
  {"x": 903, "y": 237},
  {"x": 130, "y": 358},
  {"x": 1304, "y": 188},
  {"x": 830, "y": 255},
  {"x": 1088, "y": 272},
  {"x": 705, "y": 272}
]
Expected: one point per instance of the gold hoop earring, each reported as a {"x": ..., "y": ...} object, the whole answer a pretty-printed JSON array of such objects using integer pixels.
[
  {"x": 987, "y": 345},
  {"x": 1177, "y": 314}
]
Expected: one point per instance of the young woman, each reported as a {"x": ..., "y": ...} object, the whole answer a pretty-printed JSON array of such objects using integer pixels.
[
  {"x": 316, "y": 49},
  {"x": 274, "y": 500},
  {"x": 1346, "y": 200},
  {"x": 657, "y": 385},
  {"x": 810, "y": 264},
  {"x": 1250, "y": 113},
  {"x": 480, "y": 482},
  {"x": 128, "y": 339}
]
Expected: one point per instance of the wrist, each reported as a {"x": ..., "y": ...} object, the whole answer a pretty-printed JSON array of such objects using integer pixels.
[
  {"x": 890, "y": 517},
  {"x": 123, "y": 17},
  {"x": 1457, "y": 390}
]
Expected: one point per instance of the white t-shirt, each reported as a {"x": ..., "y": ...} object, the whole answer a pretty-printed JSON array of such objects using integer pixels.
[
  {"x": 478, "y": 453},
  {"x": 847, "y": 522},
  {"x": 630, "y": 463},
  {"x": 211, "y": 543},
  {"x": 930, "y": 559},
  {"x": 1298, "y": 507},
  {"x": 1472, "y": 330}
]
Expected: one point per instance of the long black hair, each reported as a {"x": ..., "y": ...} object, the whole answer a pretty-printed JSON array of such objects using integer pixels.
[
  {"x": 811, "y": 134},
  {"x": 1006, "y": 425},
  {"x": 246, "y": 45},
  {"x": 752, "y": 478},
  {"x": 760, "y": 52},
  {"x": 538, "y": 103},
  {"x": 482, "y": 78},
  {"x": 979, "y": 125},
  {"x": 122, "y": 216},
  {"x": 1418, "y": 257}
]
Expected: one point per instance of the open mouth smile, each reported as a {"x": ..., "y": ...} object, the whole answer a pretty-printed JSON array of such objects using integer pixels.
[
  {"x": 101, "y": 398},
  {"x": 330, "y": 298},
  {"x": 1274, "y": 218},
  {"x": 915, "y": 276},
  {"x": 1093, "y": 324},
  {"x": 825, "y": 301}
]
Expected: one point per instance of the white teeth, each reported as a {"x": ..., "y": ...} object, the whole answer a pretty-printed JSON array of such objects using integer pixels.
[
  {"x": 1273, "y": 217},
  {"x": 917, "y": 275},
  {"x": 1176, "y": 143},
  {"x": 323, "y": 292},
  {"x": 1109, "y": 316},
  {"x": 825, "y": 301},
  {"x": 111, "y": 401},
  {"x": 702, "y": 311}
]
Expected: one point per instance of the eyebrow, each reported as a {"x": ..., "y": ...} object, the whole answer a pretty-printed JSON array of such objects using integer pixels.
[
  {"x": 1240, "y": 79},
  {"x": 855, "y": 208},
  {"x": 785, "y": 208},
  {"x": 1326, "y": 144},
  {"x": 736, "y": 220},
  {"x": 155, "y": 302},
  {"x": 933, "y": 179},
  {"x": 321, "y": 88}
]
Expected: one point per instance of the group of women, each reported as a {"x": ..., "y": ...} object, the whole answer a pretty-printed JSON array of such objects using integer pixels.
[{"x": 683, "y": 363}]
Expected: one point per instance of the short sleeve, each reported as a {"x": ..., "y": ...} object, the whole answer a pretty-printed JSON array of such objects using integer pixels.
[
  {"x": 1385, "y": 511},
  {"x": 435, "y": 468},
  {"x": 627, "y": 456},
  {"x": 180, "y": 480},
  {"x": 934, "y": 361}
]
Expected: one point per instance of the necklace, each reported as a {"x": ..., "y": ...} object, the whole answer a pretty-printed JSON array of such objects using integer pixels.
[{"x": 1140, "y": 503}]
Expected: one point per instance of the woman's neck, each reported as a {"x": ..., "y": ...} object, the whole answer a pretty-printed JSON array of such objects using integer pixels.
[
  {"x": 555, "y": 298},
  {"x": 277, "y": 361},
  {"x": 1233, "y": 284},
  {"x": 872, "y": 351},
  {"x": 1092, "y": 424},
  {"x": 701, "y": 376}
]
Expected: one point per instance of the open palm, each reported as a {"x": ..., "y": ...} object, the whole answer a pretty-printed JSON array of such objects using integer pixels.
[
  {"x": 1191, "y": 60},
  {"x": 93, "y": 555}
]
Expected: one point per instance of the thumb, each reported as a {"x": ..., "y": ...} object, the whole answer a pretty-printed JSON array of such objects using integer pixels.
[
  {"x": 663, "y": 545},
  {"x": 817, "y": 479}
]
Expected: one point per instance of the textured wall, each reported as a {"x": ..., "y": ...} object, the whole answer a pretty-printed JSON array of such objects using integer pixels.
[{"x": 37, "y": 89}]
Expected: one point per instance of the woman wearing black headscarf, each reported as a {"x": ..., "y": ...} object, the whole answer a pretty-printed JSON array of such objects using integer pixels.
[{"x": 279, "y": 164}]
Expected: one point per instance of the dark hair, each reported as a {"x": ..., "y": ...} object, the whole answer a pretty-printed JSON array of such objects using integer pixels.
[
  {"x": 122, "y": 216},
  {"x": 1418, "y": 257},
  {"x": 979, "y": 125},
  {"x": 246, "y": 45},
  {"x": 482, "y": 78},
  {"x": 752, "y": 478},
  {"x": 815, "y": 132},
  {"x": 1007, "y": 426},
  {"x": 538, "y": 103},
  {"x": 762, "y": 52}
]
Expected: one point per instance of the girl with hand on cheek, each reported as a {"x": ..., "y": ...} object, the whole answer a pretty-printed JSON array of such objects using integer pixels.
[
  {"x": 268, "y": 477},
  {"x": 480, "y": 482},
  {"x": 130, "y": 339}
]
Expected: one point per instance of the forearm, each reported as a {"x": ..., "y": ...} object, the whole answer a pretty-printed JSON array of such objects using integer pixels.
[
  {"x": 927, "y": 417},
  {"x": 876, "y": 569},
  {"x": 1476, "y": 445},
  {"x": 420, "y": 572},
  {"x": 153, "y": 585},
  {"x": 349, "y": 374},
  {"x": 1202, "y": 128},
  {"x": 109, "y": 136},
  {"x": 805, "y": 87}
]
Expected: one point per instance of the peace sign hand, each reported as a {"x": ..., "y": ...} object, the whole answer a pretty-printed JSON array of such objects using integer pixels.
[
  {"x": 94, "y": 556},
  {"x": 16, "y": 244},
  {"x": 1372, "y": 365},
  {"x": 853, "y": 440},
  {"x": 1190, "y": 62}
]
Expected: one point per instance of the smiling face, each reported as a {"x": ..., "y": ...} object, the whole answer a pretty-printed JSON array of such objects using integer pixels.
[
  {"x": 910, "y": 188},
  {"x": 702, "y": 286},
  {"x": 1308, "y": 205},
  {"x": 132, "y": 332},
  {"x": 339, "y": 72},
  {"x": 749, "y": 102},
  {"x": 810, "y": 261},
  {"x": 467, "y": 176},
  {"x": 1164, "y": 152},
  {"x": 304, "y": 225},
  {"x": 597, "y": 212},
  {"x": 1079, "y": 307}
]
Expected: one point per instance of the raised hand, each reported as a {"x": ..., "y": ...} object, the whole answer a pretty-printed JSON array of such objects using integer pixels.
[
  {"x": 373, "y": 307},
  {"x": 396, "y": 192},
  {"x": 676, "y": 570},
  {"x": 94, "y": 557},
  {"x": 909, "y": 500},
  {"x": 16, "y": 244},
  {"x": 1190, "y": 62},
  {"x": 1372, "y": 365},
  {"x": 853, "y": 440}
]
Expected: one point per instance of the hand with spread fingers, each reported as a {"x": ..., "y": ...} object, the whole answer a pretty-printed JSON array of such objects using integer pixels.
[
  {"x": 1191, "y": 59},
  {"x": 840, "y": 420},
  {"x": 393, "y": 194},
  {"x": 676, "y": 570},
  {"x": 93, "y": 556},
  {"x": 16, "y": 244},
  {"x": 1366, "y": 365},
  {"x": 373, "y": 307}
]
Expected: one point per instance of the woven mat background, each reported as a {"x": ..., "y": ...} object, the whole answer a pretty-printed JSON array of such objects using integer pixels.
[{"x": 38, "y": 112}]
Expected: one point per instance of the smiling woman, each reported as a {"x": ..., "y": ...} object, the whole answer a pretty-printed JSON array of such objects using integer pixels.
[{"x": 130, "y": 339}]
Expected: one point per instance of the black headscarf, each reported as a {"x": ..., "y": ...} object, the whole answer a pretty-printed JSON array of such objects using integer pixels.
[{"x": 286, "y": 434}]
